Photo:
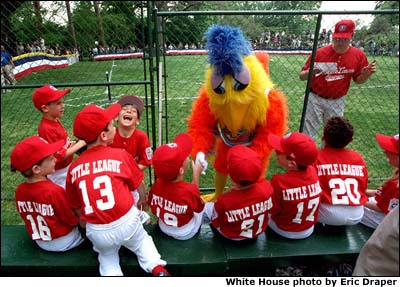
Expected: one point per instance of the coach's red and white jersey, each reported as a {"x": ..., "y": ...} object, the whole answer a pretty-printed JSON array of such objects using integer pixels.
[
  {"x": 45, "y": 210},
  {"x": 243, "y": 214},
  {"x": 99, "y": 182},
  {"x": 138, "y": 145},
  {"x": 387, "y": 196},
  {"x": 296, "y": 199},
  {"x": 335, "y": 82},
  {"x": 54, "y": 131},
  {"x": 343, "y": 177},
  {"x": 175, "y": 203}
]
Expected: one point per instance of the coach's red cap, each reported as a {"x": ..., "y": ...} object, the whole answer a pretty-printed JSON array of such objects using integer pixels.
[
  {"x": 388, "y": 143},
  {"x": 244, "y": 164},
  {"x": 297, "y": 145},
  {"x": 92, "y": 120},
  {"x": 344, "y": 29},
  {"x": 46, "y": 94},
  {"x": 31, "y": 150},
  {"x": 134, "y": 101},
  {"x": 168, "y": 158}
]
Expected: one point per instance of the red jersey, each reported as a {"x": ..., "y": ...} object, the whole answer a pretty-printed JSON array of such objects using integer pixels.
[
  {"x": 175, "y": 203},
  {"x": 99, "y": 182},
  {"x": 138, "y": 145},
  {"x": 296, "y": 199},
  {"x": 387, "y": 196},
  {"x": 343, "y": 177},
  {"x": 45, "y": 210},
  {"x": 53, "y": 131},
  {"x": 244, "y": 213},
  {"x": 335, "y": 83}
]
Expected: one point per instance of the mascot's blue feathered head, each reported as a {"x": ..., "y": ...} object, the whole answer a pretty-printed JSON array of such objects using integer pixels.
[{"x": 226, "y": 46}]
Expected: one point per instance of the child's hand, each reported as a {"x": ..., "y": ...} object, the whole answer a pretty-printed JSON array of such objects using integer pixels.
[
  {"x": 197, "y": 168},
  {"x": 201, "y": 158},
  {"x": 81, "y": 143},
  {"x": 142, "y": 205}
]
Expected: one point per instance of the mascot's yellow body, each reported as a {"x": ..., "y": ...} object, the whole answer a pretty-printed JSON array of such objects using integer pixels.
[{"x": 246, "y": 115}]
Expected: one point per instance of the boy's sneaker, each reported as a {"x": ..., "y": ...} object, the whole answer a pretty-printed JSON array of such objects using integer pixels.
[
  {"x": 159, "y": 271},
  {"x": 144, "y": 217}
]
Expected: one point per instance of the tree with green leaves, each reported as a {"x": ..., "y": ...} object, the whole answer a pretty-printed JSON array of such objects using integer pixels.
[{"x": 383, "y": 30}]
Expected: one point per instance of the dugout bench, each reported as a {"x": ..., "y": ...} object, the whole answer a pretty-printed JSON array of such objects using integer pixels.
[{"x": 206, "y": 254}]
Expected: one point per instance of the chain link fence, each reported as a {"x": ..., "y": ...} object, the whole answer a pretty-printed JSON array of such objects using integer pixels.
[
  {"x": 104, "y": 50},
  {"x": 70, "y": 44},
  {"x": 372, "y": 107}
]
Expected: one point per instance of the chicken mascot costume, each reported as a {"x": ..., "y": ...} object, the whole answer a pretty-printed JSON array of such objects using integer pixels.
[{"x": 237, "y": 104}]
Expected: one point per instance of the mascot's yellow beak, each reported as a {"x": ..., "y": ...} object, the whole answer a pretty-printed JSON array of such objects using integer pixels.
[{"x": 235, "y": 116}]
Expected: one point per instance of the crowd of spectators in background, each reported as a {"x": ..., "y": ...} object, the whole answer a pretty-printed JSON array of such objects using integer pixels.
[
  {"x": 39, "y": 46},
  {"x": 268, "y": 40}
]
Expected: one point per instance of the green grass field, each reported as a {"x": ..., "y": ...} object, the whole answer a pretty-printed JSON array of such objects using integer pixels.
[{"x": 372, "y": 107}]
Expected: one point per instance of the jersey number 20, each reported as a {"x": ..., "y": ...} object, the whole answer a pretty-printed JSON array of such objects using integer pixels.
[{"x": 344, "y": 191}]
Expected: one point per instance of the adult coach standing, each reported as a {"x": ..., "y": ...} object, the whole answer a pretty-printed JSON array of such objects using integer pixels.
[{"x": 334, "y": 67}]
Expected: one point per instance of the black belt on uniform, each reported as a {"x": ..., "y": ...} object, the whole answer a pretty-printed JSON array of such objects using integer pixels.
[{"x": 321, "y": 96}]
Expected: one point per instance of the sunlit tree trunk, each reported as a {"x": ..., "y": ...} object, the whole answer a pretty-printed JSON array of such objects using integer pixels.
[
  {"x": 39, "y": 20},
  {"x": 71, "y": 24},
  {"x": 99, "y": 23}
]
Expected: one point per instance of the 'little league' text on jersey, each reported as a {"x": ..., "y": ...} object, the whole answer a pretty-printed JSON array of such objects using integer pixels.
[
  {"x": 340, "y": 169},
  {"x": 108, "y": 165}
]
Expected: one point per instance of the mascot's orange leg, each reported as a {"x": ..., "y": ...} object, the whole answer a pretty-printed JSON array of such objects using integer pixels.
[{"x": 219, "y": 182}]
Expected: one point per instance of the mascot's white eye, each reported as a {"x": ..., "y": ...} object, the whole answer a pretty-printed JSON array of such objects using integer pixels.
[
  {"x": 220, "y": 89},
  {"x": 238, "y": 86},
  {"x": 241, "y": 79},
  {"x": 217, "y": 83}
]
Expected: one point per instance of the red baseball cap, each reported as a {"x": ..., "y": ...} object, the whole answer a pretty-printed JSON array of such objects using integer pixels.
[
  {"x": 92, "y": 120},
  {"x": 134, "y": 101},
  {"x": 31, "y": 150},
  {"x": 244, "y": 164},
  {"x": 344, "y": 29},
  {"x": 299, "y": 146},
  {"x": 47, "y": 93},
  {"x": 388, "y": 143},
  {"x": 168, "y": 158}
]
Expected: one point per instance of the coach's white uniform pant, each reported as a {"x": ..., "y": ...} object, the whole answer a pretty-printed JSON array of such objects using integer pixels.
[
  {"x": 127, "y": 231},
  {"x": 320, "y": 110}
]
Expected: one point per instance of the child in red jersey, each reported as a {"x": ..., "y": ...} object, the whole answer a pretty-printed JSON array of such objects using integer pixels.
[
  {"x": 41, "y": 203},
  {"x": 176, "y": 203},
  {"x": 98, "y": 188},
  {"x": 128, "y": 136},
  {"x": 297, "y": 192},
  {"x": 242, "y": 212},
  {"x": 343, "y": 176},
  {"x": 386, "y": 198},
  {"x": 134, "y": 141},
  {"x": 48, "y": 100}
]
